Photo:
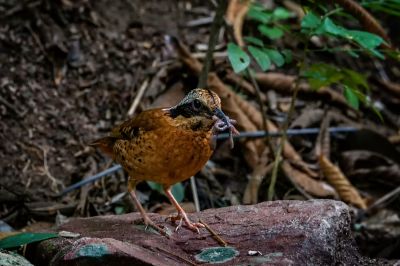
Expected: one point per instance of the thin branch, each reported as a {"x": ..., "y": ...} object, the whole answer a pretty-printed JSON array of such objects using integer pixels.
[
  {"x": 278, "y": 154},
  {"x": 262, "y": 110},
  {"x": 138, "y": 97},
  {"x": 214, "y": 234},
  {"x": 218, "y": 19}
]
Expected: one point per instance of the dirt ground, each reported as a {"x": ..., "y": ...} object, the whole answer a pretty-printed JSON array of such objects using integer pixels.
[{"x": 70, "y": 71}]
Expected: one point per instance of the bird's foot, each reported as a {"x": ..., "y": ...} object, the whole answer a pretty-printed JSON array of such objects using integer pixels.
[
  {"x": 150, "y": 224},
  {"x": 184, "y": 221}
]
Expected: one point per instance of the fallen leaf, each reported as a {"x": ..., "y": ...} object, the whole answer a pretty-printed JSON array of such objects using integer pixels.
[
  {"x": 310, "y": 185},
  {"x": 235, "y": 15},
  {"x": 347, "y": 192}
]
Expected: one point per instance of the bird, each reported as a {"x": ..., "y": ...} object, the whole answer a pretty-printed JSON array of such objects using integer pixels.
[{"x": 167, "y": 146}]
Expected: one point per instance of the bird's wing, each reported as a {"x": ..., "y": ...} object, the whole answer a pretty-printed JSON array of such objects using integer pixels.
[{"x": 146, "y": 121}]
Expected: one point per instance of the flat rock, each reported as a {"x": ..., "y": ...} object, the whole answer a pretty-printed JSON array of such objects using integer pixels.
[
  {"x": 8, "y": 258},
  {"x": 315, "y": 232}
]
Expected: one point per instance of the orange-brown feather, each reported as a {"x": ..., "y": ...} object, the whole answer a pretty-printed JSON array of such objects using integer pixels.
[{"x": 154, "y": 146}]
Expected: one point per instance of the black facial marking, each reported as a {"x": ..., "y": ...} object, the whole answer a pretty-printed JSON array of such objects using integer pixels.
[{"x": 190, "y": 109}]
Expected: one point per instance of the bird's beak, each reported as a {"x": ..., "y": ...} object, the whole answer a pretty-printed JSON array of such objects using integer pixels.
[{"x": 218, "y": 114}]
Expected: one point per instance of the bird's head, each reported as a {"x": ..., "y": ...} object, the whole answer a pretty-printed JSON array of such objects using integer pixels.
[
  {"x": 199, "y": 102},
  {"x": 203, "y": 103}
]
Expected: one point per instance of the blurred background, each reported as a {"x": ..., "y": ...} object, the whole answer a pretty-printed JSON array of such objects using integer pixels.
[{"x": 71, "y": 70}]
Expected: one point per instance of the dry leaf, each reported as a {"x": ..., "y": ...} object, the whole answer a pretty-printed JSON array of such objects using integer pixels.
[
  {"x": 235, "y": 15},
  {"x": 392, "y": 87},
  {"x": 367, "y": 166},
  {"x": 284, "y": 84},
  {"x": 259, "y": 172},
  {"x": 237, "y": 80},
  {"x": 347, "y": 192},
  {"x": 170, "y": 97},
  {"x": 308, "y": 117},
  {"x": 322, "y": 146},
  {"x": 310, "y": 185}
]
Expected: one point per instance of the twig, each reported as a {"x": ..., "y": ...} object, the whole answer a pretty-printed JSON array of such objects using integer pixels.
[
  {"x": 278, "y": 153},
  {"x": 138, "y": 97},
  {"x": 200, "y": 22},
  {"x": 262, "y": 109},
  {"x": 45, "y": 171},
  {"x": 204, "y": 73},
  {"x": 10, "y": 106},
  {"x": 85, "y": 190},
  {"x": 176, "y": 256},
  {"x": 383, "y": 199},
  {"x": 218, "y": 19},
  {"x": 214, "y": 234},
  {"x": 195, "y": 194},
  {"x": 91, "y": 179}
]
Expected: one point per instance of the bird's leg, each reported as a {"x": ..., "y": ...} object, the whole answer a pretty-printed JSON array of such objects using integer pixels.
[
  {"x": 147, "y": 221},
  {"x": 182, "y": 216}
]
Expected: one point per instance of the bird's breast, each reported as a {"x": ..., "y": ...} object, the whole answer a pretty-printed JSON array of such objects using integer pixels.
[{"x": 164, "y": 156}]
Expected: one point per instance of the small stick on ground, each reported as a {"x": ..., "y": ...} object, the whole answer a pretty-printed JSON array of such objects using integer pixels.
[
  {"x": 176, "y": 256},
  {"x": 214, "y": 234},
  {"x": 138, "y": 97},
  {"x": 45, "y": 171}
]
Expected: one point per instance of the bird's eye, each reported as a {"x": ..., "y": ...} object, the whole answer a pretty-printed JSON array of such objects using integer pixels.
[{"x": 196, "y": 105}]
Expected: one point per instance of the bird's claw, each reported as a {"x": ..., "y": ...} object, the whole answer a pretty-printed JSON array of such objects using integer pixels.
[
  {"x": 149, "y": 223},
  {"x": 184, "y": 221}
]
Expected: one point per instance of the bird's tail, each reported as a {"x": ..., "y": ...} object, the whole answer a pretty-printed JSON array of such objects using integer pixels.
[{"x": 105, "y": 144}]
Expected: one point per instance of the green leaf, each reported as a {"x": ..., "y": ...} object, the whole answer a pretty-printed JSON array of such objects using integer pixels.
[
  {"x": 276, "y": 57},
  {"x": 288, "y": 56},
  {"x": 281, "y": 13},
  {"x": 15, "y": 241},
  {"x": 119, "y": 210},
  {"x": 257, "y": 13},
  {"x": 321, "y": 75},
  {"x": 351, "y": 97},
  {"x": 177, "y": 190},
  {"x": 271, "y": 32},
  {"x": 254, "y": 41},
  {"x": 352, "y": 53},
  {"x": 365, "y": 39},
  {"x": 155, "y": 186},
  {"x": 310, "y": 21},
  {"x": 261, "y": 57},
  {"x": 329, "y": 26},
  {"x": 354, "y": 79},
  {"x": 238, "y": 58}
]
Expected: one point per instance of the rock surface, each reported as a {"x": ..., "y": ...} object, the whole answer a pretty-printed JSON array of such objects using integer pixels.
[
  {"x": 8, "y": 258},
  {"x": 315, "y": 232}
]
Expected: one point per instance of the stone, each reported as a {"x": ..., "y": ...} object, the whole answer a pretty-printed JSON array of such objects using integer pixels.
[
  {"x": 314, "y": 232},
  {"x": 8, "y": 258}
]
